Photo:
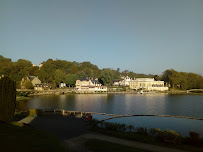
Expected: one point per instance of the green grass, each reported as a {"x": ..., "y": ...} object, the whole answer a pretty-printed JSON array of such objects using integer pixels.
[
  {"x": 23, "y": 139},
  {"x": 147, "y": 139},
  {"x": 22, "y": 98},
  {"x": 104, "y": 146}
]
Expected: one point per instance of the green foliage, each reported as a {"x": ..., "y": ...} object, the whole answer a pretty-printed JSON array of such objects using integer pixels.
[
  {"x": 106, "y": 77},
  {"x": 55, "y": 71},
  {"x": 7, "y": 99},
  {"x": 28, "y": 84},
  {"x": 169, "y": 136},
  {"x": 70, "y": 79},
  {"x": 182, "y": 80},
  {"x": 142, "y": 130},
  {"x": 58, "y": 76}
]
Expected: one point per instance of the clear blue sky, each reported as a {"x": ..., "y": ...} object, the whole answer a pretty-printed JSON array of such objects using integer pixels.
[{"x": 144, "y": 36}]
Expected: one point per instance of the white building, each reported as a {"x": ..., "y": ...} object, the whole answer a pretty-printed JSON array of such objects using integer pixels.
[
  {"x": 62, "y": 85},
  {"x": 126, "y": 81},
  {"x": 147, "y": 84},
  {"x": 89, "y": 85}
]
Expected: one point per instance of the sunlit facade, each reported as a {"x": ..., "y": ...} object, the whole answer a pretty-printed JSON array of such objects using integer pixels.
[
  {"x": 89, "y": 85},
  {"x": 148, "y": 84}
]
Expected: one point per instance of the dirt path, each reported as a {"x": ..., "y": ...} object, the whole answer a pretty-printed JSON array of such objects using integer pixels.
[{"x": 78, "y": 144}]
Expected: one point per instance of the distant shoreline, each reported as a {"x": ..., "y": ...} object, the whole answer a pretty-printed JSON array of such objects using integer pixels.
[{"x": 68, "y": 91}]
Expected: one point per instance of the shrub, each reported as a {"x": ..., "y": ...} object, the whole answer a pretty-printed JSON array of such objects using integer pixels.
[
  {"x": 141, "y": 130},
  {"x": 33, "y": 112},
  {"x": 169, "y": 136},
  {"x": 194, "y": 138}
]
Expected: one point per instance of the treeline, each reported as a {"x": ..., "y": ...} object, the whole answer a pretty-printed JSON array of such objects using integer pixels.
[
  {"x": 56, "y": 71},
  {"x": 182, "y": 80}
]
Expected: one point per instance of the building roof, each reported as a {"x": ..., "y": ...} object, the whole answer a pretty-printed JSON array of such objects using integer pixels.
[
  {"x": 117, "y": 80},
  {"x": 84, "y": 79},
  {"x": 31, "y": 77},
  {"x": 96, "y": 81}
]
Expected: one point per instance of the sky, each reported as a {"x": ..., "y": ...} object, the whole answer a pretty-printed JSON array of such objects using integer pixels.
[{"x": 143, "y": 36}]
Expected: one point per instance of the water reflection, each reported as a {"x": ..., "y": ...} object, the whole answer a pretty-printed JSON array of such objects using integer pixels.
[
  {"x": 122, "y": 104},
  {"x": 130, "y": 104}
]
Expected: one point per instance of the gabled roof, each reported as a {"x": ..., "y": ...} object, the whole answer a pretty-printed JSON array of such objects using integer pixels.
[
  {"x": 87, "y": 79},
  {"x": 31, "y": 77},
  {"x": 84, "y": 79}
]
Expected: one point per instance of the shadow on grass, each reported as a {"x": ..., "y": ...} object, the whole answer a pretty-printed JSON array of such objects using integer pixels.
[
  {"x": 101, "y": 146},
  {"x": 23, "y": 139}
]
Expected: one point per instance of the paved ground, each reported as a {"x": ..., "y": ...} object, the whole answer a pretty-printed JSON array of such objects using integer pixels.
[
  {"x": 63, "y": 127},
  {"x": 26, "y": 120}
]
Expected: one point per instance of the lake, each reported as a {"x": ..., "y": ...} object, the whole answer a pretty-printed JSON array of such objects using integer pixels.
[{"x": 130, "y": 104}]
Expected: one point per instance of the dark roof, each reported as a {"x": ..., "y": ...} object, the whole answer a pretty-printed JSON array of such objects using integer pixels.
[
  {"x": 43, "y": 84},
  {"x": 95, "y": 81},
  {"x": 31, "y": 77},
  {"x": 87, "y": 79},
  {"x": 84, "y": 79},
  {"x": 117, "y": 80}
]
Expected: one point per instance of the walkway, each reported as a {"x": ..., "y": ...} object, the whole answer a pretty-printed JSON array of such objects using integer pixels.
[{"x": 26, "y": 120}]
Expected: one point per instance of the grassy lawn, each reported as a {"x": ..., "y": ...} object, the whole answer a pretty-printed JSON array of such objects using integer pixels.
[
  {"x": 22, "y": 98},
  {"x": 148, "y": 140},
  {"x": 24, "y": 139},
  {"x": 103, "y": 146}
]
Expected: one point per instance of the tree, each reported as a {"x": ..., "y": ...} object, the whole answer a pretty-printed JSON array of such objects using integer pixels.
[
  {"x": 58, "y": 76},
  {"x": 70, "y": 79},
  {"x": 74, "y": 69},
  {"x": 106, "y": 77},
  {"x": 7, "y": 99},
  {"x": 28, "y": 84},
  {"x": 174, "y": 78},
  {"x": 156, "y": 78}
]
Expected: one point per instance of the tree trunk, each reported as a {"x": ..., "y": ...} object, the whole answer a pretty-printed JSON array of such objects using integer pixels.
[{"x": 7, "y": 99}]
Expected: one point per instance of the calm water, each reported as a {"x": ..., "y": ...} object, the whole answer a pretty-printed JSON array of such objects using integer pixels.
[{"x": 131, "y": 104}]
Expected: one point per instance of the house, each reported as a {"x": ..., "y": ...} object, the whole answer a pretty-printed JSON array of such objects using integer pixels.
[
  {"x": 122, "y": 82},
  {"x": 117, "y": 82},
  {"x": 42, "y": 87},
  {"x": 33, "y": 79},
  {"x": 147, "y": 84},
  {"x": 126, "y": 81},
  {"x": 40, "y": 65},
  {"x": 62, "y": 85},
  {"x": 89, "y": 85}
]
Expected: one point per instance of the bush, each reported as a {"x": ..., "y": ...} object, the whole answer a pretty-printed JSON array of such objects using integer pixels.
[
  {"x": 33, "y": 112},
  {"x": 169, "y": 136},
  {"x": 194, "y": 138},
  {"x": 141, "y": 130}
]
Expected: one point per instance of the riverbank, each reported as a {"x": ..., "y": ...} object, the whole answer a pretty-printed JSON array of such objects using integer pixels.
[
  {"x": 21, "y": 98},
  {"x": 169, "y": 139},
  {"x": 31, "y": 92},
  {"x": 75, "y": 133}
]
